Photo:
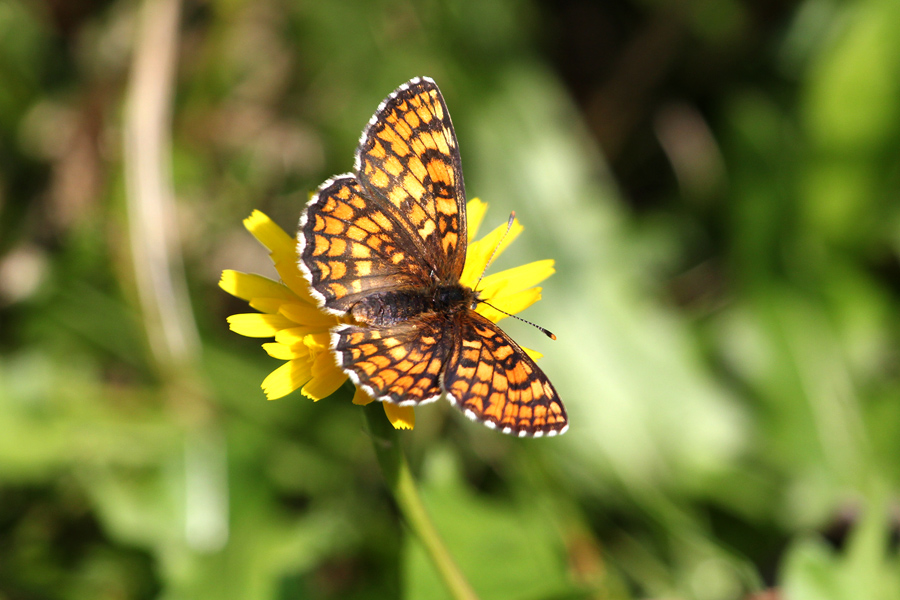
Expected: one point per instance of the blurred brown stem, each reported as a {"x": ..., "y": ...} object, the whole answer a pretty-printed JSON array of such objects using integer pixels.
[
  {"x": 159, "y": 271},
  {"x": 158, "y": 267}
]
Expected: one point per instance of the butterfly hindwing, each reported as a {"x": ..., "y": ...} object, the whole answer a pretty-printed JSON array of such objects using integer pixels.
[
  {"x": 401, "y": 363},
  {"x": 492, "y": 380}
]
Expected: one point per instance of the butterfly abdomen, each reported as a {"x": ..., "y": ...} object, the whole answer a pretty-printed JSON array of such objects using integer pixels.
[{"x": 388, "y": 308}]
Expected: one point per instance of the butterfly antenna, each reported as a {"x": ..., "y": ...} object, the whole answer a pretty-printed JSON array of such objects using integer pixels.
[
  {"x": 509, "y": 224},
  {"x": 546, "y": 332}
]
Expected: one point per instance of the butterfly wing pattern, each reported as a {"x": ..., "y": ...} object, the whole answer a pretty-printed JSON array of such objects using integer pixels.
[
  {"x": 492, "y": 380},
  {"x": 385, "y": 246},
  {"x": 353, "y": 247},
  {"x": 408, "y": 158}
]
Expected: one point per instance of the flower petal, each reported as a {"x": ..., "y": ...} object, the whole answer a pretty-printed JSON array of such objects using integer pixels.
[
  {"x": 307, "y": 314},
  {"x": 513, "y": 280},
  {"x": 534, "y": 354},
  {"x": 481, "y": 251},
  {"x": 475, "y": 210},
  {"x": 293, "y": 336},
  {"x": 282, "y": 249},
  {"x": 267, "y": 305},
  {"x": 247, "y": 286},
  {"x": 327, "y": 377},
  {"x": 283, "y": 352},
  {"x": 287, "y": 378},
  {"x": 281, "y": 246},
  {"x": 401, "y": 417},
  {"x": 258, "y": 325},
  {"x": 512, "y": 304},
  {"x": 318, "y": 341},
  {"x": 361, "y": 398},
  {"x": 293, "y": 278}
]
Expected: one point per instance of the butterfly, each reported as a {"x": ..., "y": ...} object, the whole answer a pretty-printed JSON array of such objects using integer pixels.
[{"x": 385, "y": 246}]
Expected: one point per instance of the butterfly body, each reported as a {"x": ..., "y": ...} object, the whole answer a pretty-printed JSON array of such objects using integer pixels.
[
  {"x": 386, "y": 246},
  {"x": 389, "y": 308}
]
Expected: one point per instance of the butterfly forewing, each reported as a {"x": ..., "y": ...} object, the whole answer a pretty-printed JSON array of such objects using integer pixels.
[
  {"x": 408, "y": 157},
  {"x": 351, "y": 247}
]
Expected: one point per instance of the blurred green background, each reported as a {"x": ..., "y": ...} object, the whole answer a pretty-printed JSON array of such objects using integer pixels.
[{"x": 717, "y": 180}]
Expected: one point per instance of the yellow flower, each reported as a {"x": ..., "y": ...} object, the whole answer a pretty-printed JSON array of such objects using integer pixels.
[{"x": 290, "y": 315}]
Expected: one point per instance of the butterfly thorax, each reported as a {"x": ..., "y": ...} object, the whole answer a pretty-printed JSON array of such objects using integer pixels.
[{"x": 388, "y": 308}]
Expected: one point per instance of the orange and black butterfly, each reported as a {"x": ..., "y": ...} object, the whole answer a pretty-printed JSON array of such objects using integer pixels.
[{"x": 386, "y": 245}]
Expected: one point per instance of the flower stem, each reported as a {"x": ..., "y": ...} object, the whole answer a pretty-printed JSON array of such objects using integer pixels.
[{"x": 403, "y": 486}]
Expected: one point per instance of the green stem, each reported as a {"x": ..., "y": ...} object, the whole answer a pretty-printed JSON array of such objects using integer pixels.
[{"x": 403, "y": 486}]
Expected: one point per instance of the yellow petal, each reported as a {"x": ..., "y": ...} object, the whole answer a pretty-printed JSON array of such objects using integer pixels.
[
  {"x": 247, "y": 286},
  {"x": 361, "y": 398},
  {"x": 516, "y": 303},
  {"x": 534, "y": 354},
  {"x": 270, "y": 235},
  {"x": 287, "y": 378},
  {"x": 475, "y": 210},
  {"x": 293, "y": 336},
  {"x": 327, "y": 377},
  {"x": 267, "y": 305},
  {"x": 512, "y": 304},
  {"x": 282, "y": 249},
  {"x": 479, "y": 252},
  {"x": 401, "y": 417},
  {"x": 258, "y": 325},
  {"x": 305, "y": 313},
  {"x": 318, "y": 341},
  {"x": 293, "y": 278},
  {"x": 283, "y": 352},
  {"x": 516, "y": 279}
]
